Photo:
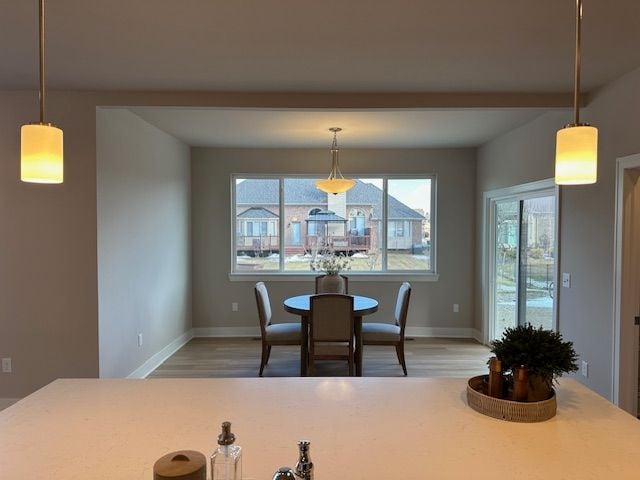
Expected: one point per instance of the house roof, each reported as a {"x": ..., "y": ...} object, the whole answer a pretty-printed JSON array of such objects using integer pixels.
[
  {"x": 302, "y": 191},
  {"x": 325, "y": 216},
  {"x": 258, "y": 213}
]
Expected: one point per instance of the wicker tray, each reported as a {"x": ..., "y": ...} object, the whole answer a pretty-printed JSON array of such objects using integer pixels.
[{"x": 526, "y": 412}]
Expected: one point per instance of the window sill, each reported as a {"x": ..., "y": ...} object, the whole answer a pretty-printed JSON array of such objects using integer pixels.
[{"x": 353, "y": 277}]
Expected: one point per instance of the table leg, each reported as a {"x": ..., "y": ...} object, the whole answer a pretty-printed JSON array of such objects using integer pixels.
[
  {"x": 357, "y": 325},
  {"x": 304, "y": 347}
]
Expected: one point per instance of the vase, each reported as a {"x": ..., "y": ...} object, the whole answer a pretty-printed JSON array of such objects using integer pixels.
[
  {"x": 539, "y": 389},
  {"x": 331, "y": 283}
]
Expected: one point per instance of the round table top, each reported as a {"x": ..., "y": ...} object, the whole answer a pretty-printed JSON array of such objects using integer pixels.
[{"x": 300, "y": 305}]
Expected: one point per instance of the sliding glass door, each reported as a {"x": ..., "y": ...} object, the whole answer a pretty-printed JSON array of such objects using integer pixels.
[
  {"x": 523, "y": 261},
  {"x": 537, "y": 261},
  {"x": 507, "y": 219}
]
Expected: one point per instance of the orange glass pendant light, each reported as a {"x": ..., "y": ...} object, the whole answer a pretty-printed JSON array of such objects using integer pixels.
[{"x": 335, "y": 183}]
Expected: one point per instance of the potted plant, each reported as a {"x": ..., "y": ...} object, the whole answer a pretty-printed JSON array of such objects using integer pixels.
[{"x": 542, "y": 352}]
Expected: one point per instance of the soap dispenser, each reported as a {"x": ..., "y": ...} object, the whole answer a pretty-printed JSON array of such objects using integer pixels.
[{"x": 226, "y": 461}]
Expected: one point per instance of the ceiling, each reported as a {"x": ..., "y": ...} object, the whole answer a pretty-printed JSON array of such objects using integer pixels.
[
  {"x": 310, "y": 46},
  {"x": 309, "y": 128},
  {"x": 512, "y": 53}
]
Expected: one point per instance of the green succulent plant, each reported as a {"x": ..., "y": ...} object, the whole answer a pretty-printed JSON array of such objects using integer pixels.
[{"x": 542, "y": 351}]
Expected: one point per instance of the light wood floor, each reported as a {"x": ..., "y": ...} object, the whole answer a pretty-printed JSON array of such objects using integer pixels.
[{"x": 240, "y": 357}]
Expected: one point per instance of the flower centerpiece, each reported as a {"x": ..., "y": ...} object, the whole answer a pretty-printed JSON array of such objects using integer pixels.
[{"x": 332, "y": 264}]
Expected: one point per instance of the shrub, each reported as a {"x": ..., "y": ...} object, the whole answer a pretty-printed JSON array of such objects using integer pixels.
[{"x": 542, "y": 351}]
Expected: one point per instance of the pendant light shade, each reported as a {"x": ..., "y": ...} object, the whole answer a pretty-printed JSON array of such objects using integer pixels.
[
  {"x": 577, "y": 143},
  {"x": 335, "y": 183},
  {"x": 41, "y": 153},
  {"x": 41, "y": 144},
  {"x": 577, "y": 155}
]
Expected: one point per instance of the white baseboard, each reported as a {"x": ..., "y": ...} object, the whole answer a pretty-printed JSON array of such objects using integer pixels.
[
  {"x": 443, "y": 332},
  {"x": 226, "y": 331},
  {"x": 7, "y": 402},
  {"x": 156, "y": 360},
  {"x": 410, "y": 332},
  {"x": 477, "y": 335}
]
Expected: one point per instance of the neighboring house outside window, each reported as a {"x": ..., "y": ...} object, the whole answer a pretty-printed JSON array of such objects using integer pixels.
[
  {"x": 357, "y": 221},
  {"x": 257, "y": 230},
  {"x": 350, "y": 224}
]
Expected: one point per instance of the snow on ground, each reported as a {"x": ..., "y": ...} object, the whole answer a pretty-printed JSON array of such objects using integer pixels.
[
  {"x": 541, "y": 302},
  {"x": 296, "y": 258}
]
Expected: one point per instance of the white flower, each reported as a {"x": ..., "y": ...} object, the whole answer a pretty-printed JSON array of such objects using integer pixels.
[{"x": 330, "y": 263}]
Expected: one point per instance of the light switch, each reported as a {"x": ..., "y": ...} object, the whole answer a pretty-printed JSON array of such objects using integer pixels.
[{"x": 566, "y": 280}]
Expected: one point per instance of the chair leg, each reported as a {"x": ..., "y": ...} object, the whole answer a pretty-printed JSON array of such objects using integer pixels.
[
  {"x": 266, "y": 349},
  {"x": 351, "y": 364},
  {"x": 400, "y": 353},
  {"x": 312, "y": 369}
]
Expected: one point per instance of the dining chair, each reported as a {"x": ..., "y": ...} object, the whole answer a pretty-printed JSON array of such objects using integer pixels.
[
  {"x": 273, "y": 333},
  {"x": 319, "y": 288},
  {"x": 391, "y": 333},
  {"x": 331, "y": 331}
]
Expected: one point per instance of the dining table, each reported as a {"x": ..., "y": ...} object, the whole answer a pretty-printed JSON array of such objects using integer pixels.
[{"x": 301, "y": 305}]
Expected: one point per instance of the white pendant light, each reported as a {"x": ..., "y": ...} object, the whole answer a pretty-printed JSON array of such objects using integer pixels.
[
  {"x": 41, "y": 146},
  {"x": 577, "y": 143},
  {"x": 335, "y": 183}
]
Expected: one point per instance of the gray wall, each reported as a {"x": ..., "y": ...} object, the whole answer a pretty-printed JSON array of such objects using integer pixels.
[
  {"x": 48, "y": 254},
  {"x": 587, "y": 231},
  {"x": 143, "y": 191},
  {"x": 432, "y": 303},
  {"x": 48, "y": 294}
]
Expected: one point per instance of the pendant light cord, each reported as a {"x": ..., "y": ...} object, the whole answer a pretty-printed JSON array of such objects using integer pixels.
[
  {"x": 41, "y": 28},
  {"x": 335, "y": 167},
  {"x": 334, "y": 157},
  {"x": 576, "y": 86}
]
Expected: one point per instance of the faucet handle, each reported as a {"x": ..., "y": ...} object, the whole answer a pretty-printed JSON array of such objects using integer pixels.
[
  {"x": 304, "y": 445},
  {"x": 304, "y": 467}
]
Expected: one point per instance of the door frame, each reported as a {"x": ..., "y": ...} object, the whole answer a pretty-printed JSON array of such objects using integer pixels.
[
  {"x": 489, "y": 199},
  {"x": 618, "y": 390}
]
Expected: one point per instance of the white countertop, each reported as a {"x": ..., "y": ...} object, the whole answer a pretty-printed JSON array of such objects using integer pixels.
[{"x": 375, "y": 428}]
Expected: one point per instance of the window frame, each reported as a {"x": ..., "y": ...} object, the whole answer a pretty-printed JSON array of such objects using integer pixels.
[{"x": 281, "y": 274}]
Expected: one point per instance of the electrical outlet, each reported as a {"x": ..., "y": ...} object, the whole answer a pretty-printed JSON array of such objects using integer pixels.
[
  {"x": 234, "y": 307},
  {"x": 456, "y": 308},
  {"x": 584, "y": 369},
  {"x": 139, "y": 339},
  {"x": 566, "y": 280},
  {"x": 6, "y": 365}
]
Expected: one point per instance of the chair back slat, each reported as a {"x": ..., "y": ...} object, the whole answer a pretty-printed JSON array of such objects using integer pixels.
[
  {"x": 402, "y": 305},
  {"x": 331, "y": 318},
  {"x": 264, "y": 306}
]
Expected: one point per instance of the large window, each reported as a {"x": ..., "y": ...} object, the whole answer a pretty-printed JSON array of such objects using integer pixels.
[{"x": 384, "y": 224}]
